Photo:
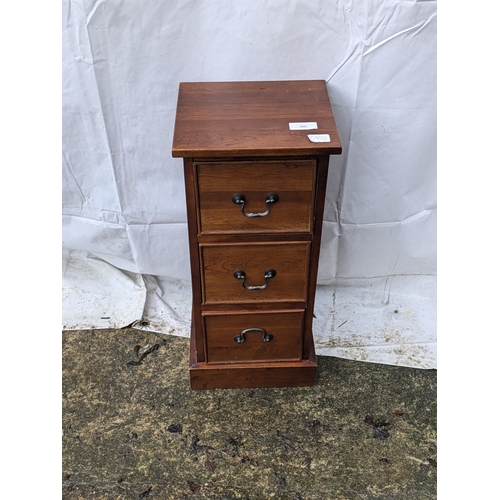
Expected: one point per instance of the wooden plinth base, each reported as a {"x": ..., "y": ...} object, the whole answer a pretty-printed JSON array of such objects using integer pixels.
[{"x": 247, "y": 375}]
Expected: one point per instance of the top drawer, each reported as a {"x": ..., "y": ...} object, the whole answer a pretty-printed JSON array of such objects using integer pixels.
[{"x": 256, "y": 183}]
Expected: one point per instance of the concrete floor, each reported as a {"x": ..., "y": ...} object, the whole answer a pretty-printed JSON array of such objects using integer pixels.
[{"x": 137, "y": 431}]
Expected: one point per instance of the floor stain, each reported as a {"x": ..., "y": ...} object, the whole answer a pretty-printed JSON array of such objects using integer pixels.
[{"x": 364, "y": 431}]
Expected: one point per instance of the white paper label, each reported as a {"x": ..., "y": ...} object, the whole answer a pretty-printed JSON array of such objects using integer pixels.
[
  {"x": 319, "y": 137},
  {"x": 303, "y": 126}
]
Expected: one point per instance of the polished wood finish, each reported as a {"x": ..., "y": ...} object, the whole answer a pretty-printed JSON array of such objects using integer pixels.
[
  {"x": 192, "y": 210},
  {"x": 234, "y": 138},
  {"x": 289, "y": 260},
  {"x": 315, "y": 250},
  {"x": 284, "y": 326},
  {"x": 261, "y": 374},
  {"x": 222, "y": 119},
  {"x": 293, "y": 181}
]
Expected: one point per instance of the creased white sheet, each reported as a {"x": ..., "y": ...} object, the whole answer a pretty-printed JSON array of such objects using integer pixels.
[
  {"x": 98, "y": 295},
  {"x": 123, "y": 193}
]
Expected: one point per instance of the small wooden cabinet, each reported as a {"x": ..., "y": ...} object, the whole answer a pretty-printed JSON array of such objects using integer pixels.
[{"x": 256, "y": 160}]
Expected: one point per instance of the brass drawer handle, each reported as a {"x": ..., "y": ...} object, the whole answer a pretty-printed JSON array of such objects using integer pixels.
[
  {"x": 266, "y": 337},
  {"x": 239, "y": 199},
  {"x": 241, "y": 275}
]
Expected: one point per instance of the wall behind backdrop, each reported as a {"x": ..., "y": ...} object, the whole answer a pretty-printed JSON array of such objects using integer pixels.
[{"x": 125, "y": 245}]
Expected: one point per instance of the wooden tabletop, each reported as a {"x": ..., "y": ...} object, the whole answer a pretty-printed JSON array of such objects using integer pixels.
[{"x": 227, "y": 119}]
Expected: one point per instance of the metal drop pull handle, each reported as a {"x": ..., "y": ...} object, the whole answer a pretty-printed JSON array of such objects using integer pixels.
[
  {"x": 239, "y": 199},
  {"x": 241, "y": 275},
  {"x": 266, "y": 337}
]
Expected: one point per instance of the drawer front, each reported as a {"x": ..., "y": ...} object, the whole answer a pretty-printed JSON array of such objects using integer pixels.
[
  {"x": 256, "y": 185},
  {"x": 254, "y": 265},
  {"x": 239, "y": 337}
]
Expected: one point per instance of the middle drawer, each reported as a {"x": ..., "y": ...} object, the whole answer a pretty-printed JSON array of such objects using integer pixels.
[{"x": 256, "y": 272}]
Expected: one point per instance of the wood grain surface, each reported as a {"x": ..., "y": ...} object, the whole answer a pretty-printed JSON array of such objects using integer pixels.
[
  {"x": 293, "y": 181},
  {"x": 289, "y": 260},
  {"x": 235, "y": 138},
  {"x": 259, "y": 374},
  {"x": 284, "y": 326},
  {"x": 222, "y": 119}
]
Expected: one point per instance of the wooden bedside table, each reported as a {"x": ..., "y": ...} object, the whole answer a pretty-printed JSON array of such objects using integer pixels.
[{"x": 255, "y": 189}]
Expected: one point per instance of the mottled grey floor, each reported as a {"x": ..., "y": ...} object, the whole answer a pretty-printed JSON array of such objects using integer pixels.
[{"x": 136, "y": 431}]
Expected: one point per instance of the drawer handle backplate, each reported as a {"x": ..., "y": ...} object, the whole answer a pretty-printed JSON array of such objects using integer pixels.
[
  {"x": 239, "y": 199},
  {"x": 241, "y": 275},
  {"x": 266, "y": 337}
]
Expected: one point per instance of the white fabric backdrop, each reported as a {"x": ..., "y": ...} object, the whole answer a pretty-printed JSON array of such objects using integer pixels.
[{"x": 124, "y": 219}]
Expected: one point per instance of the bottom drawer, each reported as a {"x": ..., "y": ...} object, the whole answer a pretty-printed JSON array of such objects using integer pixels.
[{"x": 247, "y": 337}]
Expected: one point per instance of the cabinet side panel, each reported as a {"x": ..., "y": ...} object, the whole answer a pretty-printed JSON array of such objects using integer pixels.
[
  {"x": 192, "y": 209},
  {"x": 321, "y": 180}
]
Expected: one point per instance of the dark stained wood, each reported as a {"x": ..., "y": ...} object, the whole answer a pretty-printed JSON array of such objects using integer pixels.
[
  {"x": 315, "y": 248},
  {"x": 192, "y": 209},
  {"x": 289, "y": 260},
  {"x": 284, "y": 326},
  {"x": 252, "y": 307},
  {"x": 253, "y": 237},
  {"x": 292, "y": 181},
  {"x": 235, "y": 138},
  {"x": 223, "y": 119},
  {"x": 247, "y": 375}
]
